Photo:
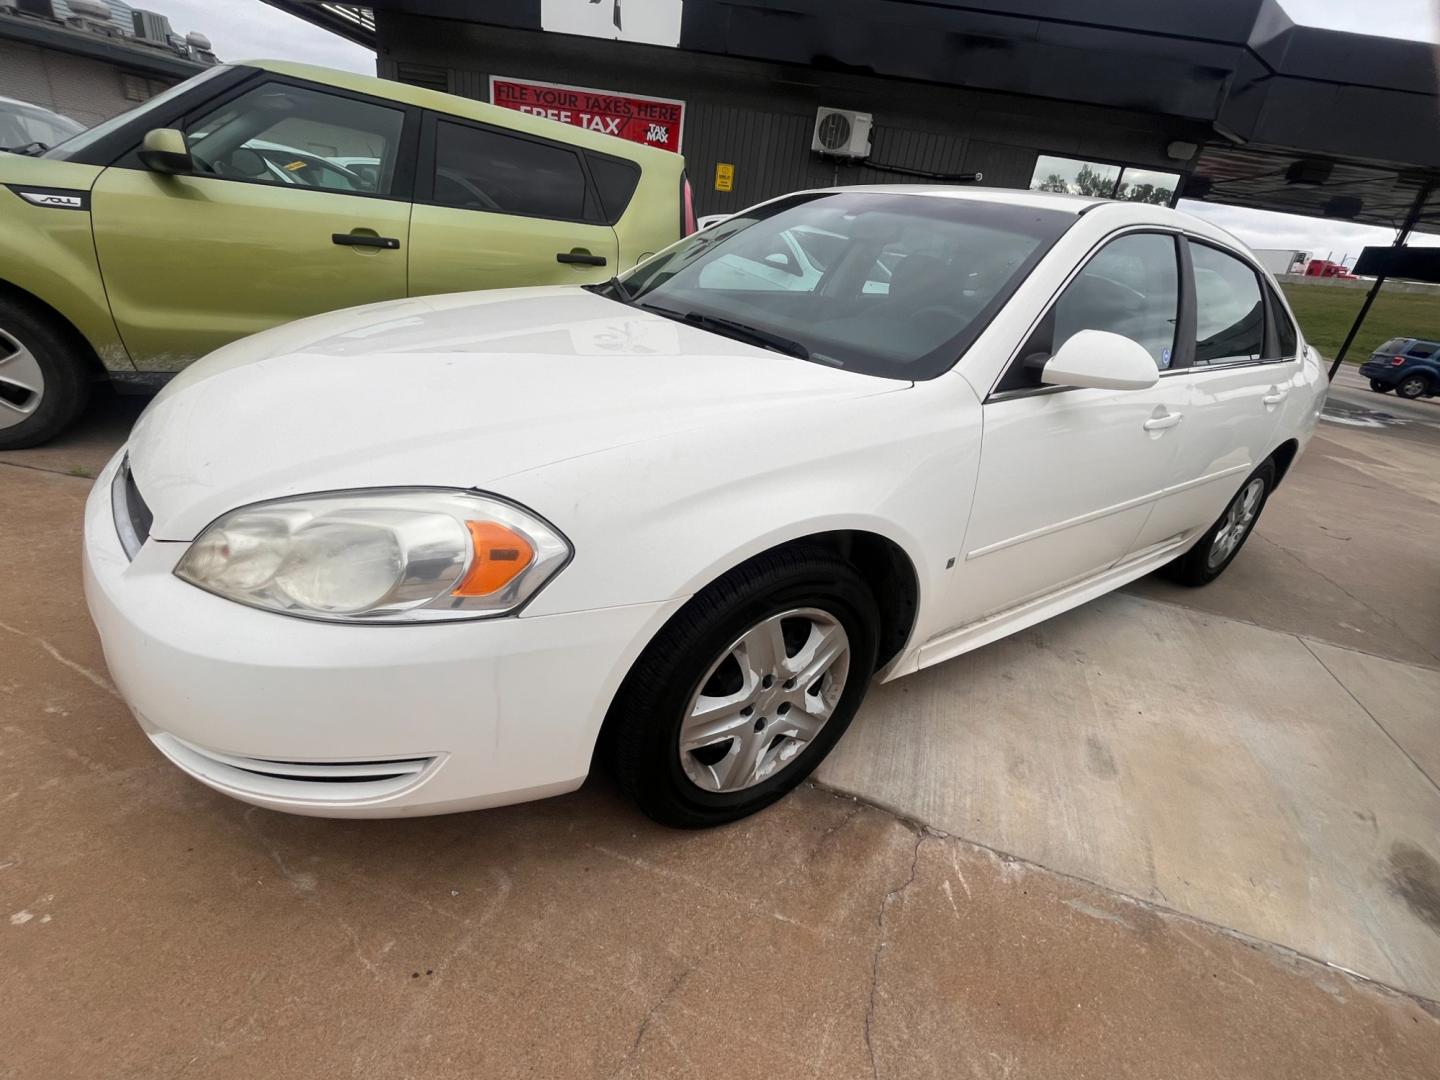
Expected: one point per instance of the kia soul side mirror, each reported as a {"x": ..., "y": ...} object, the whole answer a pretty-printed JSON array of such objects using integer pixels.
[
  {"x": 1101, "y": 360},
  {"x": 164, "y": 151}
]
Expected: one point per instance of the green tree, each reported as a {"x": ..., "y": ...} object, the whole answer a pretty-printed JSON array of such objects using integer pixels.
[
  {"x": 1053, "y": 182},
  {"x": 1090, "y": 182}
]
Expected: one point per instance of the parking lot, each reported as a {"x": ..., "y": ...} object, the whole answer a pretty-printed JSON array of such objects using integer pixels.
[{"x": 1180, "y": 833}]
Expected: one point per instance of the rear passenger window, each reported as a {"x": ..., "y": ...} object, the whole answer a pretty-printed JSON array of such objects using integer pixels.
[
  {"x": 476, "y": 169},
  {"x": 616, "y": 180},
  {"x": 1421, "y": 349},
  {"x": 1229, "y": 311}
]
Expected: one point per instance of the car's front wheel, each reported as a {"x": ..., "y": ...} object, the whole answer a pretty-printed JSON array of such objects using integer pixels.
[
  {"x": 1412, "y": 387},
  {"x": 1379, "y": 387},
  {"x": 746, "y": 689},
  {"x": 1217, "y": 548},
  {"x": 43, "y": 385}
]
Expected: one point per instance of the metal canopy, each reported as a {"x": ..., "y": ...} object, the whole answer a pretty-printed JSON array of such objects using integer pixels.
[
  {"x": 1302, "y": 120},
  {"x": 1296, "y": 183}
]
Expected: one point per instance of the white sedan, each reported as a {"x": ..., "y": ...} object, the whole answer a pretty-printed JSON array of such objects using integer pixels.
[{"x": 439, "y": 554}]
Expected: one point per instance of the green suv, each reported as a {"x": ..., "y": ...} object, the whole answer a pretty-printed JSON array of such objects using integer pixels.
[{"x": 258, "y": 193}]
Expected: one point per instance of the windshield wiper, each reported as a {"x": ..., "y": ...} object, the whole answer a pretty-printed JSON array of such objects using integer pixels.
[
  {"x": 33, "y": 149},
  {"x": 737, "y": 330},
  {"x": 615, "y": 285}
]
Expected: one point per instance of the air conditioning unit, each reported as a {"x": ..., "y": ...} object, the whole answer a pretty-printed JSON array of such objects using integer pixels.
[
  {"x": 842, "y": 133},
  {"x": 152, "y": 27}
]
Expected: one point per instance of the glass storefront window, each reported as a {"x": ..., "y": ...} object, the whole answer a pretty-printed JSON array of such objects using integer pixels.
[{"x": 1076, "y": 177}]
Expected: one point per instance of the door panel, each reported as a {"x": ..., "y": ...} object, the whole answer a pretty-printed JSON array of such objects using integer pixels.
[
  {"x": 1232, "y": 399},
  {"x": 453, "y": 250},
  {"x": 1231, "y": 416},
  {"x": 499, "y": 208},
  {"x": 1066, "y": 482},
  {"x": 194, "y": 262}
]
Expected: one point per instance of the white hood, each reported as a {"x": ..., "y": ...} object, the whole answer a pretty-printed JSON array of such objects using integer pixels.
[{"x": 453, "y": 391}]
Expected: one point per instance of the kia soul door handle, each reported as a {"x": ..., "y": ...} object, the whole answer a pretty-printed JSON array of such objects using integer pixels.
[
  {"x": 579, "y": 258},
  {"x": 1275, "y": 397},
  {"x": 1159, "y": 423},
  {"x": 359, "y": 239}
]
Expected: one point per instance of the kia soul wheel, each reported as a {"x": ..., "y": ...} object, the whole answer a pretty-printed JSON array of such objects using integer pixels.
[
  {"x": 42, "y": 386},
  {"x": 746, "y": 690}
]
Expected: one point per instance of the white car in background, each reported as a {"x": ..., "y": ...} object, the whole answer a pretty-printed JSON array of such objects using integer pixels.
[
  {"x": 33, "y": 128},
  {"x": 428, "y": 555}
]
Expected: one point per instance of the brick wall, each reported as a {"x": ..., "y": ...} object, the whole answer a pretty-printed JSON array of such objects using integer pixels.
[{"x": 87, "y": 90}]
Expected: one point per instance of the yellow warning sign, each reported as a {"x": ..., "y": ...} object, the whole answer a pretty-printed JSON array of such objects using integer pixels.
[{"x": 724, "y": 177}]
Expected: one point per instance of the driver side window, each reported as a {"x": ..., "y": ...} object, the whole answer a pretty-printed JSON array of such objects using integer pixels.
[
  {"x": 289, "y": 135},
  {"x": 1131, "y": 288}
]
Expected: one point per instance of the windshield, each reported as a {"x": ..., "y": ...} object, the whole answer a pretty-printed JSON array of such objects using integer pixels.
[
  {"x": 879, "y": 283},
  {"x": 79, "y": 143}
]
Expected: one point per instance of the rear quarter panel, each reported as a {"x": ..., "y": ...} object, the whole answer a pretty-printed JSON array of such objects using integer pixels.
[{"x": 651, "y": 221}]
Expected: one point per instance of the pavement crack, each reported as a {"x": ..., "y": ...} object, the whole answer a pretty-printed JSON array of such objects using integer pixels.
[
  {"x": 674, "y": 988},
  {"x": 920, "y": 838},
  {"x": 93, "y": 676},
  {"x": 1373, "y": 718}
]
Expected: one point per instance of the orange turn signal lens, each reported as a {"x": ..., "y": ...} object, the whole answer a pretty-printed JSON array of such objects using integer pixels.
[{"x": 501, "y": 555}]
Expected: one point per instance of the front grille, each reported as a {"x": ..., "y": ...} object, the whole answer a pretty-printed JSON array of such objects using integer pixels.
[
  {"x": 132, "y": 517},
  {"x": 316, "y": 781}
]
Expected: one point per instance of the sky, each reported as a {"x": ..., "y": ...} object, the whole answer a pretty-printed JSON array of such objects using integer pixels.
[{"x": 252, "y": 30}]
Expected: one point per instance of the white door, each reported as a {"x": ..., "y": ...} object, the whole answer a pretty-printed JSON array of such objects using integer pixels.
[
  {"x": 1068, "y": 476},
  {"x": 1241, "y": 370}
]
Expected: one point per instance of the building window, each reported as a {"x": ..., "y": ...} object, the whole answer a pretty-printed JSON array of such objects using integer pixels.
[{"x": 1105, "y": 181}]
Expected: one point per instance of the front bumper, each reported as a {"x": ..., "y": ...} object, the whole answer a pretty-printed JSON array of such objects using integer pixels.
[{"x": 354, "y": 721}]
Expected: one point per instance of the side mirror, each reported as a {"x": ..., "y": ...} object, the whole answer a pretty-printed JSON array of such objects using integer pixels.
[
  {"x": 1102, "y": 360},
  {"x": 164, "y": 151}
]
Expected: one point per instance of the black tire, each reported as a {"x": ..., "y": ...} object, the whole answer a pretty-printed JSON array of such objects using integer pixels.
[
  {"x": 1195, "y": 568},
  {"x": 1412, "y": 387},
  {"x": 643, "y": 729},
  {"x": 1380, "y": 387},
  {"x": 65, "y": 384}
]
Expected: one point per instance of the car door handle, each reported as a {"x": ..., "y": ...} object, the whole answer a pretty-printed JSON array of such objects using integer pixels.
[
  {"x": 350, "y": 239},
  {"x": 1275, "y": 397},
  {"x": 1159, "y": 423},
  {"x": 579, "y": 258}
]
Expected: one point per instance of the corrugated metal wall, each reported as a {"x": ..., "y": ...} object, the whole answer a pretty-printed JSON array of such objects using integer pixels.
[{"x": 759, "y": 117}]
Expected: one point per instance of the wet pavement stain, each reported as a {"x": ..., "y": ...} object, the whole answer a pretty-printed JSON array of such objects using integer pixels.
[{"x": 1415, "y": 878}]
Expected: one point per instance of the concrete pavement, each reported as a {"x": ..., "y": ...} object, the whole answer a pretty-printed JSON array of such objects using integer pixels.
[{"x": 1144, "y": 745}]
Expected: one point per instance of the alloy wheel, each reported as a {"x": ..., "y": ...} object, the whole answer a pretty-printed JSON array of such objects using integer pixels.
[
  {"x": 764, "y": 700},
  {"x": 22, "y": 383},
  {"x": 1236, "y": 523}
]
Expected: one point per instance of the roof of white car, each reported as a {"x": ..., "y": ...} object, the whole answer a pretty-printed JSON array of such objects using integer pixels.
[{"x": 1141, "y": 213}]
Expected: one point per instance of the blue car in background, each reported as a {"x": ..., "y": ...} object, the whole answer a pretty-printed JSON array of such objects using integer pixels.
[{"x": 1409, "y": 366}]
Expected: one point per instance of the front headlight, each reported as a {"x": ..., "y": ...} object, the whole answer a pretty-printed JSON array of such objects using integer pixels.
[{"x": 383, "y": 555}]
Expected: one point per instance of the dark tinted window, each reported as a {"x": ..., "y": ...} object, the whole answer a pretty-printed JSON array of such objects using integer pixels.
[
  {"x": 1131, "y": 288},
  {"x": 1229, "y": 312},
  {"x": 1421, "y": 348},
  {"x": 1284, "y": 329},
  {"x": 616, "y": 181},
  {"x": 477, "y": 169}
]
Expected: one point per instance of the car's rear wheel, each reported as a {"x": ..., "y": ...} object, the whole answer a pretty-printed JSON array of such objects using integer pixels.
[
  {"x": 1217, "y": 548},
  {"x": 1379, "y": 387},
  {"x": 1412, "y": 386},
  {"x": 746, "y": 689},
  {"x": 43, "y": 384}
]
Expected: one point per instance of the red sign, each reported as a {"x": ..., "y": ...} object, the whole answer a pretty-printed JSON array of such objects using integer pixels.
[{"x": 648, "y": 120}]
